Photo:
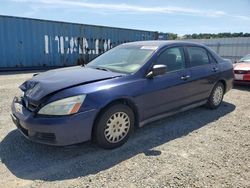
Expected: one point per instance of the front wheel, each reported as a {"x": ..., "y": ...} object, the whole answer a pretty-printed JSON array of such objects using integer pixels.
[
  {"x": 114, "y": 126},
  {"x": 216, "y": 96}
]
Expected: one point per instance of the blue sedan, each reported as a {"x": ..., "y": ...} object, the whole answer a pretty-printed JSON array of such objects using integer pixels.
[{"x": 125, "y": 88}]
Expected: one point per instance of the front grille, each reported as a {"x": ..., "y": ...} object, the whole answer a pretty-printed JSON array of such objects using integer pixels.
[
  {"x": 28, "y": 105},
  {"x": 32, "y": 107}
]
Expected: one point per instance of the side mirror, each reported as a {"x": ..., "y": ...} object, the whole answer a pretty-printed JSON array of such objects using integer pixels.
[{"x": 157, "y": 70}]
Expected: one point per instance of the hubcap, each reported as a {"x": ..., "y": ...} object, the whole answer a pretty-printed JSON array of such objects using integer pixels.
[
  {"x": 117, "y": 127},
  {"x": 217, "y": 96}
]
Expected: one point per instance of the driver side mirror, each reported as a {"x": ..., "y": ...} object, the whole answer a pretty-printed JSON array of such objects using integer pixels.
[{"x": 157, "y": 70}]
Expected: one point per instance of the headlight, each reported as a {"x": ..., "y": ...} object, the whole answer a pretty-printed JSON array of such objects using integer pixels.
[{"x": 65, "y": 106}]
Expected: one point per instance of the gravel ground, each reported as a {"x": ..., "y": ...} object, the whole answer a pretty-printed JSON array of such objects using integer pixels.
[{"x": 197, "y": 148}]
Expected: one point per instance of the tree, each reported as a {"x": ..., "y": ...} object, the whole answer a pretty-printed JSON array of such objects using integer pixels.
[
  {"x": 172, "y": 36},
  {"x": 212, "y": 35}
]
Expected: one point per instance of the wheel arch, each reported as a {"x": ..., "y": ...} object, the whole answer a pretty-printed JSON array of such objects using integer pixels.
[
  {"x": 123, "y": 100},
  {"x": 224, "y": 84}
]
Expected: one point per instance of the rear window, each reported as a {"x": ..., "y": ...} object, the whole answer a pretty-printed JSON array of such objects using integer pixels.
[{"x": 197, "y": 56}]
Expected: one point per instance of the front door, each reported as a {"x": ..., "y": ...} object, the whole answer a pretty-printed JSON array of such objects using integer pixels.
[{"x": 169, "y": 91}]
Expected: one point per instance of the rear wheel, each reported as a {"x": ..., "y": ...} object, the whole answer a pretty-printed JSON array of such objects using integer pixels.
[
  {"x": 114, "y": 126},
  {"x": 216, "y": 96}
]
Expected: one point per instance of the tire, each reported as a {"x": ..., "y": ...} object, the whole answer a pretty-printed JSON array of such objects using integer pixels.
[
  {"x": 216, "y": 96},
  {"x": 114, "y": 126}
]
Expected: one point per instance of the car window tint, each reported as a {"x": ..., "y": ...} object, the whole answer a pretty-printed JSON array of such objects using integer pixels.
[
  {"x": 197, "y": 56},
  {"x": 173, "y": 58}
]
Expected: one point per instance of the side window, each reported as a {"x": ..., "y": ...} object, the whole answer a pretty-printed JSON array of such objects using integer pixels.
[
  {"x": 197, "y": 56},
  {"x": 173, "y": 58},
  {"x": 212, "y": 60}
]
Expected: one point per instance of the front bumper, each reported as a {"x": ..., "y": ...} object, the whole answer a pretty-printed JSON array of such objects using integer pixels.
[{"x": 60, "y": 131}]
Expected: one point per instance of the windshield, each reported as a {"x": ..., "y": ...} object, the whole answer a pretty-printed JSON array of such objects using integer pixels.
[
  {"x": 124, "y": 59},
  {"x": 246, "y": 58}
]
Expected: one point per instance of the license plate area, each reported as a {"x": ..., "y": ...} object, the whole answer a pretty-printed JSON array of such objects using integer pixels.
[
  {"x": 238, "y": 76},
  {"x": 18, "y": 107}
]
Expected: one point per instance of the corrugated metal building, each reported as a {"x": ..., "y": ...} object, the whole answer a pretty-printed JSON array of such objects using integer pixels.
[
  {"x": 32, "y": 43},
  {"x": 230, "y": 48}
]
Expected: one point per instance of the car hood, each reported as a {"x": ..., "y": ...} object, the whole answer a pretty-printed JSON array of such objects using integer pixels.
[
  {"x": 54, "y": 80},
  {"x": 242, "y": 66}
]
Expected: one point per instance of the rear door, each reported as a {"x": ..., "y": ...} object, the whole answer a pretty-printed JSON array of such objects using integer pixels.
[{"x": 204, "y": 70}]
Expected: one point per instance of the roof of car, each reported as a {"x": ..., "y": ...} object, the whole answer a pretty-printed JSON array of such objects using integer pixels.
[{"x": 161, "y": 43}]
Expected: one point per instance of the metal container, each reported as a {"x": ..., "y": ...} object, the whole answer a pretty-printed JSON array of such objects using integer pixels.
[
  {"x": 31, "y": 43},
  {"x": 230, "y": 48}
]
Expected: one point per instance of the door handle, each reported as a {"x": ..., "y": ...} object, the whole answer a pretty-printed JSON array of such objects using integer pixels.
[
  {"x": 215, "y": 69},
  {"x": 185, "y": 77}
]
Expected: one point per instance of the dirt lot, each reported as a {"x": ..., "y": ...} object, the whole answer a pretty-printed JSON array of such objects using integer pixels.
[{"x": 197, "y": 148}]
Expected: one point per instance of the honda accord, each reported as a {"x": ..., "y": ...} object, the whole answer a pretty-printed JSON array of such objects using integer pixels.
[{"x": 125, "y": 88}]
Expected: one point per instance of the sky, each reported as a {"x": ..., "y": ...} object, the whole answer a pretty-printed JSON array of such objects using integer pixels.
[{"x": 175, "y": 16}]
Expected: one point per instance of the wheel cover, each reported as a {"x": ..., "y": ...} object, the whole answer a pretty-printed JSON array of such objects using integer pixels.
[
  {"x": 117, "y": 127},
  {"x": 218, "y": 95}
]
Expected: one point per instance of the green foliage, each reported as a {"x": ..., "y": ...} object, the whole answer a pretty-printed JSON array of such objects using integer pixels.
[
  {"x": 218, "y": 35},
  {"x": 172, "y": 36}
]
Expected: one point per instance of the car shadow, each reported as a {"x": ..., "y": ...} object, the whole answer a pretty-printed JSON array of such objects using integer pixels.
[{"x": 33, "y": 161}]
